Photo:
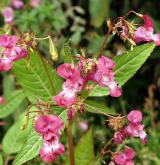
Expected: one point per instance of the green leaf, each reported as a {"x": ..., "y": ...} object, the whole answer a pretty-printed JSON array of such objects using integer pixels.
[
  {"x": 33, "y": 144},
  {"x": 99, "y": 10},
  {"x": 39, "y": 79},
  {"x": 84, "y": 152},
  {"x": 126, "y": 66},
  {"x": 8, "y": 85},
  {"x": 98, "y": 107},
  {"x": 15, "y": 99},
  {"x": 1, "y": 160},
  {"x": 15, "y": 137},
  {"x": 30, "y": 149}
]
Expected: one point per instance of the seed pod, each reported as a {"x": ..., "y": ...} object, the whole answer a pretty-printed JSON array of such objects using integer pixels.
[{"x": 53, "y": 50}]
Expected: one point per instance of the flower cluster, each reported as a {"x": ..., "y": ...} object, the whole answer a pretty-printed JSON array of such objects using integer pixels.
[
  {"x": 77, "y": 76},
  {"x": 124, "y": 158},
  {"x": 49, "y": 126},
  {"x": 145, "y": 32},
  {"x": 133, "y": 129},
  {"x": 11, "y": 50}
]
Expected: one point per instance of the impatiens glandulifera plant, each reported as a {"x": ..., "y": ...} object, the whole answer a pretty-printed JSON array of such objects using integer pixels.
[{"x": 58, "y": 96}]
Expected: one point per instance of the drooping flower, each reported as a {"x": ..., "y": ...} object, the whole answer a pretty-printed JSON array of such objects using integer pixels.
[
  {"x": 146, "y": 32},
  {"x": 49, "y": 127},
  {"x": 135, "y": 128},
  {"x": 7, "y": 13}
]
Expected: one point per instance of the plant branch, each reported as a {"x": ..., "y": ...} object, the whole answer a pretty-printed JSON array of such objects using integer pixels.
[{"x": 104, "y": 42}]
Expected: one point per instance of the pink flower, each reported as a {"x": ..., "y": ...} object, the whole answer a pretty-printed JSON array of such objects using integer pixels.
[
  {"x": 5, "y": 64},
  {"x": 136, "y": 131},
  {"x": 130, "y": 163},
  {"x": 130, "y": 153},
  {"x": 7, "y": 13},
  {"x": 68, "y": 95},
  {"x": 135, "y": 116},
  {"x": 105, "y": 63},
  {"x": 114, "y": 90},
  {"x": 143, "y": 137},
  {"x": 66, "y": 71},
  {"x": 65, "y": 98},
  {"x": 104, "y": 76},
  {"x": 15, "y": 53},
  {"x": 17, "y": 4},
  {"x": 145, "y": 32},
  {"x": 10, "y": 51},
  {"x": 35, "y": 3},
  {"x": 118, "y": 137},
  {"x": 7, "y": 41},
  {"x": 49, "y": 127},
  {"x": 120, "y": 158},
  {"x": 50, "y": 151},
  {"x": 48, "y": 123},
  {"x": 2, "y": 100},
  {"x": 125, "y": 158}
]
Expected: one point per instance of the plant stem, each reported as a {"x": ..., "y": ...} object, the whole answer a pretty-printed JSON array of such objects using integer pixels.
[
  {"x": 104, "y": 42},
  {"x": 70, "y": 143}
]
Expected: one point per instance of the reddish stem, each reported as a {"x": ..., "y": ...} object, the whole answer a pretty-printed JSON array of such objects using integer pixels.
[
  {"x": 104, "y": 42},
  {"x": 70, "y": 143}
]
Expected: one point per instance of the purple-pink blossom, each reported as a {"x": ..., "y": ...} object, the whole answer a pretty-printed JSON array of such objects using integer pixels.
[
  {"x": 125, "y": 158},
  {"x": 10, "y": 51},
  {"x": 49, "y": 127},
  {"x": 105, "y": 76},
  {"x": 146, "y": 32},
  {"x": 50, "y": 151},
  {"x": 77, "y": 75}
]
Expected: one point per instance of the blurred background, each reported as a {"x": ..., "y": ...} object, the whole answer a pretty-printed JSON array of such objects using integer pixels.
[{"x": 82, "y": 24}]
